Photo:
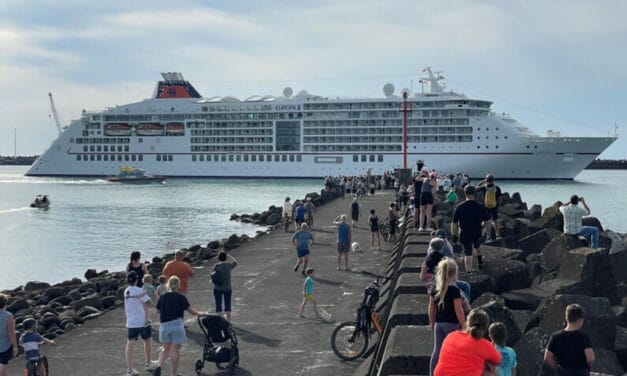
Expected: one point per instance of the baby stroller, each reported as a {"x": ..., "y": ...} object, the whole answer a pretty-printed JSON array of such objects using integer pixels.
[{"x": 217, "y": 329}]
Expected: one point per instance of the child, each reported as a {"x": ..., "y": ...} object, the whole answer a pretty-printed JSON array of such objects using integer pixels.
[
  {"x": 498, "y": 335},
  {"x": 163, "y": 285},
  {"x": 31, "y": 340},
  {"x": 451, "y": 197},
  {"x": 308, "y": 291},
  {"x": 150, "y": 288}
]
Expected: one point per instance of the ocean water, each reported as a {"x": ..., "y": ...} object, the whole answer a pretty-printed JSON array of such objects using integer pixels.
[{"x": 96, "y": 224}]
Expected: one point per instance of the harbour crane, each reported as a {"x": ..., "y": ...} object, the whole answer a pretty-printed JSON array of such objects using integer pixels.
[{"x": 55, "y": 115}]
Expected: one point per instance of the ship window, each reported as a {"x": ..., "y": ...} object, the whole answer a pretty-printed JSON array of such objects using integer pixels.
[
  {"x": 105, "y": 148},
  {"x": 505, "y": 137},
  {"x": 527, "y": 146},
  {"x": 140, "y": 140},
  {"x": 216, "y": 158},
  {"x": 158, "y": 157},
  {"x": 238, "y": 158},
  {"x": 291, "y": 158},
  {"x": 105, "y": 157},
  {"x": 126, "y": 149},
  {"x": 246, "y": 158},
  {"x": 231, "y": 158},
  {"x": 372, "y": 158},
  {"x": 284, "y": 158},
  {"x": 98, "y": 148},
  {"x": 223, "y": 158},
  {"x": 119, "y": 148},
  {"x": 119, "y": 157},
  {"x": 126, "y": 157},
  {"x": 91, "y": 157},
  {"x": 78, "y": 157},
  {"x": 355, "y": 158},
  {"x": 91, "y": 148},
  {"x": 364, "y": 158},
  {"x": 133, "y": 157},
  {"x": 299, "y": 158},
  {"x": 287, "y": 136},
  {"x": 141, "y": 157},
  {"x": 380, "y": 158},
  {"x": 535, "y": 146},
  {"x": 193, "y": 157},
  {"x": 170, "y": 158},
  {"x": 260, "y": 158},
  {"x": 85, "y": 148},
  {"x": 276, "y": 157},
  {"x": 201, "y": 158}
]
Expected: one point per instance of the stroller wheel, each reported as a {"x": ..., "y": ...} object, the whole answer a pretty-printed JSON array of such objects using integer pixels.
[
  {"x": 199, "y": 365},
  {"x": 233, "y": 364}
]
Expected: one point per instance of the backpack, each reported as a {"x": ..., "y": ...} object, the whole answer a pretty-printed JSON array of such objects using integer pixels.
[
  {"x": 489, "y": 199},
  {"x": 216, "y": 277}
]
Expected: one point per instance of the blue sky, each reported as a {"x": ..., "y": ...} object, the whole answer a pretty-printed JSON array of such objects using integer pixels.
[{"x": 556, "y": 65}]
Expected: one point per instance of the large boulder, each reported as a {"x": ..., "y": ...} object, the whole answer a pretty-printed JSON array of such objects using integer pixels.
[
  {"x": 618, "y": 256},
  {"x": 54, "y": 292},
  {"x": 498, "y": 312},
  {"x": 517, "y": 228},
  {"x": 620, "y": 346},
  {"x": 606, "y": 362},
  {"x": 36, "y": 286},
  {"x": 232, "y": 242},
  {"x": 512, "y": 210},
  {"x": 591, "y": 271},
  {"x": 535, "y": 243},
  {"x": 273, "y": 219},
  {"x": 91, "y": 273},
  {"x": 534, "y": 213},
  {"x": 530, "y": 352},
  {"x": 600, "y": 322},
  {"x": 214, "y": 244},
  {"x": 551, "y": 218},
  {"x": 479, "y": 283},
  {"x": 17, "y": 304},
  {"x": 504, "y": 269},
  {"x": 92, "y": 301},
  {"x": 592, "y": 221},
  {"x": 552, "y": 252}
]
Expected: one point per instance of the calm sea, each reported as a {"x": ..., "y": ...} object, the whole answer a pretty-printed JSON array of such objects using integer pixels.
[{"x": 96, "y": 224}]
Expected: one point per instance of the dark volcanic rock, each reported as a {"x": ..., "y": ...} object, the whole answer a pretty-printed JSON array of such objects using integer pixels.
[
  {"x": 534, "y": 243},
  {"x": 91, "y": 273},
  {"x": 273, "y": 219},
  {"x": 54, "y": 292},
  {"x": 527, "y": 299},
  {"x": 479, "y": 283},
  {"x": 592, "y": 272},
  {"x": 17, "y": 305},
  {"x": 214, "y": 244},
  {"x": 606, "y": 362},
  {"x": 92, "y": 301},
  {"x": 620, "y": 346},
  {"x": 35, "y": 286},
  {"x": 530, "y": 352},
  {"x": 551, "y": 218},
  {"x": 498, "y": 312},
  {"x": 552, "y": 252},
  {"x": 592, "y": 221}
]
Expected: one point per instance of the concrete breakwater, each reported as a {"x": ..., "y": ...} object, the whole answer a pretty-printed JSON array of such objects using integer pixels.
[
  {"x": 64, "y": 306},
  {"x": 528, "y": 279}
]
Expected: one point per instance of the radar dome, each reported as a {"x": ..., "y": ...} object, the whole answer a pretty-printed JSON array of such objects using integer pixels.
[
  {"x": 388, "y": 89},
  {"x": 287, "y": 92},
  {"x": 405, "y": 90}
]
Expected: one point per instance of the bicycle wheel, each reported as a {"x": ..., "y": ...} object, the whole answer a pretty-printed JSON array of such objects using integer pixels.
[
  {"x": 384, "y": 233},
  {"x": 32, "y": 368},
  {"x": 348, "y": 341}
]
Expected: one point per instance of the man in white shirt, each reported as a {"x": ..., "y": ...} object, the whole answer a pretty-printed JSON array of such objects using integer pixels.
[
  {"x": 287, "y": 211},
  {"x": 136, "y": 304},
  {"x": 573, "y": 215}
]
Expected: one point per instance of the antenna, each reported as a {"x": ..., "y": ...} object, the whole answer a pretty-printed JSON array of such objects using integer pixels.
[{"x": 55, "y": 115}]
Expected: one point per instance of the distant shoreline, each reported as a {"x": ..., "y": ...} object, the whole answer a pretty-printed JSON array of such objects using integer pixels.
[{"x": 597, "y": 164}]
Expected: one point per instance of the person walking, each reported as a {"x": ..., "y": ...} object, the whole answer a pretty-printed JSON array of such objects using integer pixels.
[
  {"x": 427, "y": 194},
  {"x": 466, "y": 352},
  {"x": 287, "y": 213},
  {"x": 138, "y": 267},
  {"x": 302, "y": 241},
  {"x": 308, "y": 295},
  {"x": 469, "y": 217},
  {"x": 355, "y": 212},
  {"x": 569, "y": 351},
  {"x": 344, "y": 239},
  {"x": 573, "y": 215},
  {"x": 136, "y": 305},
  {"x": 8, "y": 339},
  {"x": 491, "y": 196},
  {"x": 373, "y": 223},
  {"x": 223, "y": 290},
  {"x": 445, "y": 307},
  {"x": 178, "y": 267},
  {"x": 172, "y": 307}
]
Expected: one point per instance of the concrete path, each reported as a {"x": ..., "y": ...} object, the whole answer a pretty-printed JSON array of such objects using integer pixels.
[{"x": 266, "y": 296}]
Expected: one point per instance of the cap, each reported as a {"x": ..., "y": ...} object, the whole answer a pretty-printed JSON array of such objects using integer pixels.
[
  {"x": 469, "y": 190},
  {"x": 131, "y": 277},
  {"x": 489, "y": 177},
  {"x": 28, "y": 323},
  {"x": 440, "y": 233}
]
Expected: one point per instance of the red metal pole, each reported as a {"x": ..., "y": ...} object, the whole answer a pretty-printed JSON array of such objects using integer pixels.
[{"x": 405, "y": 130}]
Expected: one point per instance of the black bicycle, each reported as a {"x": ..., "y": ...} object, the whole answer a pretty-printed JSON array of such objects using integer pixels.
[
  {"x": 37, "y": 367},
  {"x": 349, "y": 339},
  {"x": 386, "y": 230}
]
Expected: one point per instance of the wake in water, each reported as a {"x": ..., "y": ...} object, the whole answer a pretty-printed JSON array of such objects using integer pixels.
[
  {"x": 11, "y": 179},
  {"x": 13, "y": 210}
]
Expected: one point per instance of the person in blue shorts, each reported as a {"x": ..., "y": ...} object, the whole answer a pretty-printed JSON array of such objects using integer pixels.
[
  {"x": 30, "y": 341},
  {"x": 302, "y": 241},
  {"x": 344, "y": 237}
]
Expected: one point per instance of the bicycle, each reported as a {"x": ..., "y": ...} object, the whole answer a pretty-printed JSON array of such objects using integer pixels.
[
  {"x": 384, "y": 229},
  {"x": 349, "y": 339},
  {"x": 36, "y": 366}
]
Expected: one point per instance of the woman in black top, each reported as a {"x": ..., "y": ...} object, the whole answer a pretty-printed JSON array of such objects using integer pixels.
[
  {"x": 373, "y": 222},
  {"x": 445, "y": 307},
  {"x": 137, "y": 266},
  {"x": 355, "y": 214},
  {"x": 171, "y": 307}
]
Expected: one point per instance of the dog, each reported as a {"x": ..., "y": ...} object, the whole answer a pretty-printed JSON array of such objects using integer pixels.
[{"x": 356, "y": 247}]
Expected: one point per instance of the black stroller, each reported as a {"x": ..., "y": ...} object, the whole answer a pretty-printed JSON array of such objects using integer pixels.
[{"x": 217, "y": 330}]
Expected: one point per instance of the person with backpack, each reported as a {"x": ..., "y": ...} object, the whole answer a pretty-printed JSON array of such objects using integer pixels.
[
  {"x": 491, "y": 197},
  {"x": 221, "y": 279}
]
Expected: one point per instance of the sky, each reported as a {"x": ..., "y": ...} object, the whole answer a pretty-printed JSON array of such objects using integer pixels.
[{"x": 557, "y": 65}]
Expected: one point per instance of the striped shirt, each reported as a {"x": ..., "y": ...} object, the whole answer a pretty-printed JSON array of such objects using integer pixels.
[{"x": 572, "y": 218}]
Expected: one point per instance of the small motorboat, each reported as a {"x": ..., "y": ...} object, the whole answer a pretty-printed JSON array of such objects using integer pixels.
[
  {"x": 41, "y": 202},
  {"x": 135, "y": 175}
]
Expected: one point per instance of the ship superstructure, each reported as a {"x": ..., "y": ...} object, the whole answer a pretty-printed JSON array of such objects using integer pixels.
[{"x": 178, "y": 132}]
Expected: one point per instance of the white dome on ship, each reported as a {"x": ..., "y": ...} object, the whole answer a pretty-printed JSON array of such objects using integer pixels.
[
  {"x": 287, "y": 92},
  {"x": 388, "y": 89},
  {"x": 303, "y": 93},
  {"x": 268, "y": 98},
  {"x": 229, "y": 98},
  {"x": 253, "y": 98},
  {"x": 214, "y": 99}
]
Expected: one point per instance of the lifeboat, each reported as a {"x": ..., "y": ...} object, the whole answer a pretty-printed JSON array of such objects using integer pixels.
[
  {"x": 175, "y": 129},
  {"x": 117, "y": 129},
  {"x": 41, "y": 202},
  {"x": 150, "y": 129}
]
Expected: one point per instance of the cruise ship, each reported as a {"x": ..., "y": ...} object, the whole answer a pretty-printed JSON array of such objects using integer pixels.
[{"x": 179, "y": 133}]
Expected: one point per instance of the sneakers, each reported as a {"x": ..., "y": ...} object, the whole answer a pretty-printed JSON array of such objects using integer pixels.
[
  {"x": 296, "y": 267},
  {"x": 152, "y": 365},
  {"x": 132, "y": 372}
]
